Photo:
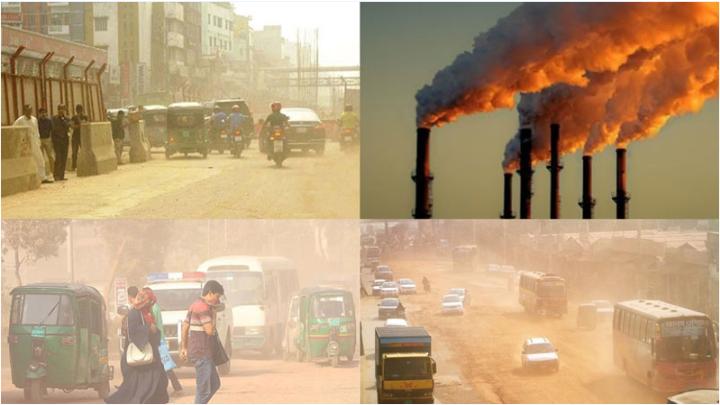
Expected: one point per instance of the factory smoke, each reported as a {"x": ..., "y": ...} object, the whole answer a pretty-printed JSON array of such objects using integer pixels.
[{"x": 608, "y": 73}]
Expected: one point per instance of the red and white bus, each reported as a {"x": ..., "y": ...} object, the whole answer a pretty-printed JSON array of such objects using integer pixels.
[
  {"x": 542, "y": 293},
  {"x": 667, "y": 347}
]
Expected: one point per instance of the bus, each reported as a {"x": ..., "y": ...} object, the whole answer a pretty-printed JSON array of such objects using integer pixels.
[
  {"x": 542, "y": 293},
  {"x": 664, "y": 346},
  {"x": 259, "y": 290}
]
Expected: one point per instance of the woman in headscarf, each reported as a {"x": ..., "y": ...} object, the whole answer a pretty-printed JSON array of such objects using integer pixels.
[
  {"x": 168, "y": 362},
  {"x": 146, "y": 384}
]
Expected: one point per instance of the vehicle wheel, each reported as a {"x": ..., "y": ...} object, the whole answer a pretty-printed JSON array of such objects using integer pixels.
[
  {"x": 305, "y": 150},
  {"x": 167, "y": 155},
  {"x": 320, "y": 151},
  {"x": 299, "y": 356},
  {"x": 186, "y": 155},
  {"x": 334, "y": 360},
  {"x": 221, "y": 151},
  {"x": 278, "y": 161},
  {"x": 103, "y": 389},
  {"x": 350, "y": 355},
  {"x": 33, "y": 391}
]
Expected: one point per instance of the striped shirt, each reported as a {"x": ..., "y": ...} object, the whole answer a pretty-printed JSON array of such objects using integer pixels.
[{"x": 199, "y": 342}]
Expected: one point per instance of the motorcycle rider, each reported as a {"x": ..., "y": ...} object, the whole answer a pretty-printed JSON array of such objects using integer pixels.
[
  {"x": 236, "y": 120},
  {"x": 348, "y": 119},
  {"x": 276, "y": 118}
]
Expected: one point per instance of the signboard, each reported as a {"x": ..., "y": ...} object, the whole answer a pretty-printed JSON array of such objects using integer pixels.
[
  {"x": 121, "y": 297},
  {"x": 683, "y": 327}
]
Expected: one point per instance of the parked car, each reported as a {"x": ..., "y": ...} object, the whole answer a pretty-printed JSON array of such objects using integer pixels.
[
  {"x": 396, "y": 323},
  {"x": 407, "y": 286},
  {"x": 389, "y": 289},
  {"x": 539, "y": 353},
  {"x": 605, "y": 309},
  {"x": 376, "y": 285},
  {"x": 452, "y": 304},
  {"x": 390, "y": 308},
  {"x": 463, "y": 293},
  {"x": 383, "y": 271},
  {"x": 306, "y": 130}
]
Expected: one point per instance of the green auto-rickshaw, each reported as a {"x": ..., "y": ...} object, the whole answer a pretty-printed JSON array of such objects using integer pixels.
[
  {"x": 58, "y": 339},
  {"x": 155, "y": 117},
  {"x": 186, "y": 131},
  {"x": 321, "y": 325}
]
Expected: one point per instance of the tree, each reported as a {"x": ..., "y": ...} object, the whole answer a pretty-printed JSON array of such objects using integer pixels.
[{"x": 30, "y": 240}]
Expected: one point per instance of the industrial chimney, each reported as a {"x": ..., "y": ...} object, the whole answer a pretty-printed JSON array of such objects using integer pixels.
[
  {"x": 507, "y": 197},
  {"x": 555, "y": 166},
  {"x": 526, "y": 172},
  {"x": 588, "y": 202},
  {"x": 422, "y": 176},
  {"x": 621, "y": 196}
]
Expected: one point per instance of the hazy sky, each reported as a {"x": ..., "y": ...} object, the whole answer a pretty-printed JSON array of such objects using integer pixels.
[
  {"x": 673, "y": 175},
  {"x": 338, "y": 22}
]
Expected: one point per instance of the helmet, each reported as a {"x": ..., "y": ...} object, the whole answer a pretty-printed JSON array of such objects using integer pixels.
[
  {"x": 276, "y": 106},
  {"x": 216, "y": 108},
  {"x": 236, "y": 108},
  {"x": 348, "y": 108}
]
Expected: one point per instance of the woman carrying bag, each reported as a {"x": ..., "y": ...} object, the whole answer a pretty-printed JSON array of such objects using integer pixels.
[{"x": 145, "y": 381}]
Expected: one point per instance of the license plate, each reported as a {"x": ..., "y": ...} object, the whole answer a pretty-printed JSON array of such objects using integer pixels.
[
  {"x": 223, "y": 136},
  {"x": 278, "y": 146},
  {"x": 301, "y": 130},
  {"x": 238, "y": 138},
  {"x": 348, "y": 138}
]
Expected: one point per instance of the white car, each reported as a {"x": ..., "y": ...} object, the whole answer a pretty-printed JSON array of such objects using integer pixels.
[
  {"x": 396, "y": 323},
  {"x": 539, "y": 353},
  {"x": 462, "y": 292},
  {"x": 389, "y": 289},
  {"x": 376, "y": 285},
  {"x": 407, "y": 286},
  {"x": 604, "y": 308},
  {"x": 452, "y": 304}
]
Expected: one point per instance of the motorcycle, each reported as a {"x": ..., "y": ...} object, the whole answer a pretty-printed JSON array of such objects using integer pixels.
[
  {"x": 348, "y": 138},
  {"x": 333, "y": 348},
  {"x": 237, "y": 144},
  {"x": 276, "y": 148}
]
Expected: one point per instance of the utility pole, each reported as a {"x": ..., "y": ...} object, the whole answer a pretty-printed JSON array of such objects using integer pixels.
[
  {"x": 71, "y": 252},
  {"x": 317, "y": 67}
]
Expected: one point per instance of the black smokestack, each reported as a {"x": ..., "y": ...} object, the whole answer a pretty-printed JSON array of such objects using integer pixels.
[
  {"x": 588, "y": 202},
  {"x": 555, "y": 166},
  {"x": 621, "y": 196},
  {"x": 507, "y": 197},
  {"x": 526, "y": 172},
  {"x": 422, "y": 176}
]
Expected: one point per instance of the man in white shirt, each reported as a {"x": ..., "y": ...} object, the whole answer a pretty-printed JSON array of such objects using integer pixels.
[{"x": 27, "y": 120}]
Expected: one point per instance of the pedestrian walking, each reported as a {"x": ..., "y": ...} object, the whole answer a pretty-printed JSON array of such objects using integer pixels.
[
  {"x": 164, "y": 349},
  {"x": 118, "y": 134},
  {"x": 132, "y": 293},
  {"x": 60, "y": 140},
  {"x": 142, "y": 383},
  {"x": 199, "y": 341},
  {"x": 46, "y": 145},
  {"x": 27, "y": 120},
  {"x": 77, "y": 120}
]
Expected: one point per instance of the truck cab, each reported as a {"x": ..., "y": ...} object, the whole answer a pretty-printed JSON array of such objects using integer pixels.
[{"x": 404, "y": 367}]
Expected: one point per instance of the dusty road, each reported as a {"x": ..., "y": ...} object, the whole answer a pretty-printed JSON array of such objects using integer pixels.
[
  {"x": 484, "y": 346},
  {"x": 309, "y": 186},
  {"x": 251, "y": 381}
]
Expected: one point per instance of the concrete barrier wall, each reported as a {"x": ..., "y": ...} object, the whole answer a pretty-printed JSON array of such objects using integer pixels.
[
  {"x": 97, "y": 151},
  {"x": 19, "y": 172},
  {"x": 139, "y": 144}
]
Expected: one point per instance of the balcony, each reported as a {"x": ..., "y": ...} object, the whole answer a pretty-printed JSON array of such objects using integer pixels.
[
  {"x": 175, "y": 40},
  {"x": 174, "y": 11},
  {"x": 58, "y": 30}
]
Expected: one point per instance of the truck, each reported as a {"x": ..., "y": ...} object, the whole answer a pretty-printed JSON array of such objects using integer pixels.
[{"x": 404, "y": 366}]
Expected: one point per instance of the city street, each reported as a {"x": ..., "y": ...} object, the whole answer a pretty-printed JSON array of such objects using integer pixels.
[
  {"x": 478, "y": 354},
  {"x": 251, "y": 381},
  {"x": 308, "y": 186}
]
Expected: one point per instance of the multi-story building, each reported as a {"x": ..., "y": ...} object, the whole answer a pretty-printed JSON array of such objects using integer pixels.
[
  {"x": 12, "y": 14},
  {"x": 269, "y": 44},
  {"x": 217, "y": 28},
  {"x": 64, "y": 20}
]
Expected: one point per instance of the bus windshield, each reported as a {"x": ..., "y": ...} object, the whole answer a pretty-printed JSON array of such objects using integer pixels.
[
  {"x": 241, "y": 287},
  {"x": 408, "y": 368},
  {"x": 685, "y": 340},
  {"x": 551, "y": 289}
]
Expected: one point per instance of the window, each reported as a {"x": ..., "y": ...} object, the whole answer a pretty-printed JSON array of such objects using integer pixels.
[{"x": 101, "y": 23}]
